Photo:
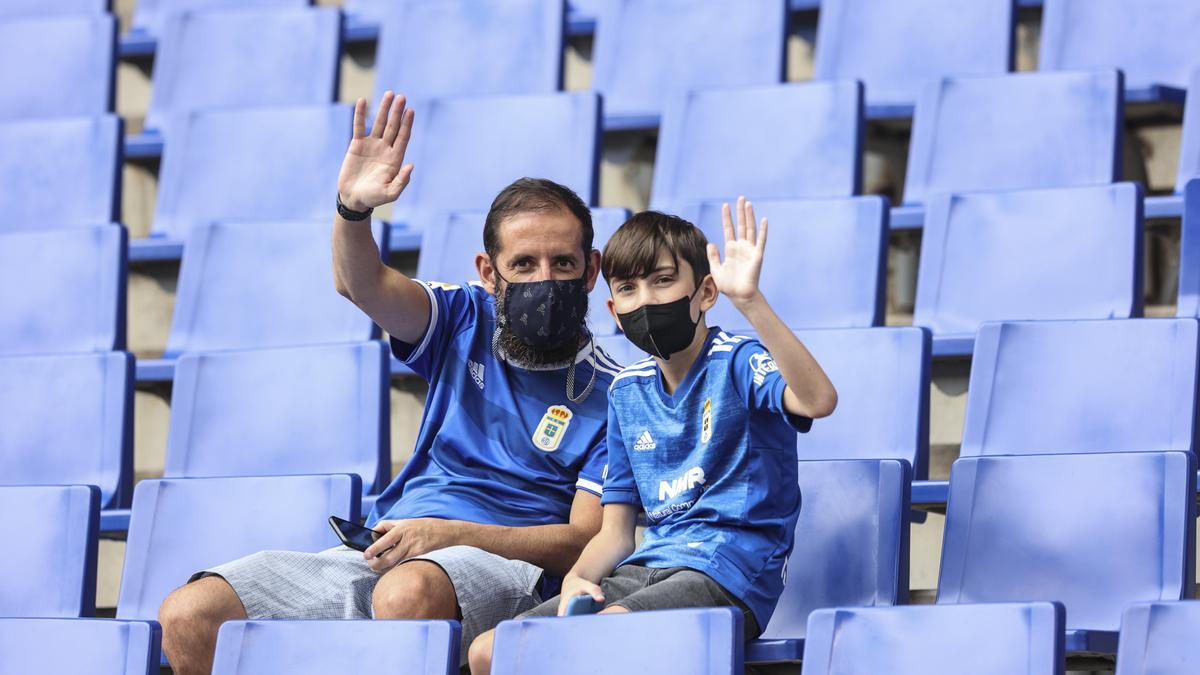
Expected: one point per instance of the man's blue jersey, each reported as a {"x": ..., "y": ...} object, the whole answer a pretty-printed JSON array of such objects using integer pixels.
[
  {"x": 713, "y": 465},
  {"x": 498, "y": 444}
]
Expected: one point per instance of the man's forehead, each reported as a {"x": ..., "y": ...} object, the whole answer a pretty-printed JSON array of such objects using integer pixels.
[{"x": 555, "y": 231}]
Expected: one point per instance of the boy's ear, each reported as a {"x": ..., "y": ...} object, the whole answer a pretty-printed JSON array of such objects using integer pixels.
[
  {"x": 612, "y": 309},
  {"x": 487, "y": 273},
  {"x": 708, "y": 293}
]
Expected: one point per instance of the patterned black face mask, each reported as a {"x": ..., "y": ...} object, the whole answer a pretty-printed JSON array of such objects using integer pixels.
[{"x": 545, "y": 314}]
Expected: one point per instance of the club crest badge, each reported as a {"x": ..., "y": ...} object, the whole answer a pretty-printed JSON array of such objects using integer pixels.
[
  {"x": 550, "y": 430},
  {"x": 706, "y": 422}
]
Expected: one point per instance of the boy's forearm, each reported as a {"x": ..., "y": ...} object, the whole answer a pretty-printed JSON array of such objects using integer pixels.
[
  {"x": 601, "y": 556},
  {"x": 809, "y": 392}
]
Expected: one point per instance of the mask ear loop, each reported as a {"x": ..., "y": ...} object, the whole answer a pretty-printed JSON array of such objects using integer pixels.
[{"x": 591, "y": 382}]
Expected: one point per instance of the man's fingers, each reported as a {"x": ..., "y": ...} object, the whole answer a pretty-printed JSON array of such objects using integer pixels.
[
  {"x": 405, "y": 133},
  {"x": 397, "y": 185},
  {"x": 381, "y": 115},
  {"x": 727, "y": 222},
  {"x": 393, "y": 121},
  {"x": 360, "y": 118}
]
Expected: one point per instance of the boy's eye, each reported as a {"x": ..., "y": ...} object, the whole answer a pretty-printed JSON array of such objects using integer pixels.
[
  {"x": 663, "y": 280},
  {"x": 624, "y": 288}
]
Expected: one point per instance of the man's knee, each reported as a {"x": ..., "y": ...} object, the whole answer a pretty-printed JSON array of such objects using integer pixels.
[
  {"x": 479, "y": 655},
  {"x": 415, "y": 590},
  {"x": 204, "y": 603}
]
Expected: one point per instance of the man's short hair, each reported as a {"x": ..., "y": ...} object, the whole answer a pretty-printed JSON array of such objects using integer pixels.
[
  {"x": 535, "y": 195},
  {"x": 633, "y": 250}
]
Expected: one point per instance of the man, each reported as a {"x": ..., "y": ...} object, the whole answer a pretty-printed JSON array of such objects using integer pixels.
[{"x": 504, "y": 482}]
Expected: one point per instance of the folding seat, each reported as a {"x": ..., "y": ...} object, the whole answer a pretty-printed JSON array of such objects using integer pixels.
[
  {"x": 793, "y": 141},
  {"x": 1095, "y": 532},
  {"x": 149, "y": 16},
  {"x": 436, "y": 48},
  {"x": 64, "y": 290},
  {"x": 1073, "y": 253},
  {"x": 261, "y": 164},
  {"x": 674, "y": 641},
  {"x": 1159, "y": 638},
  {"x": 18, "y": 8},
  {"x": 183, "y": 525},
  {"x": 79, "y": 646},
  {"x": 49, "y": 567},
  {"x": 825, "y": 265},
  {"x": 1189, "y": 254},
  {"x": 1082, "y": 387},
  {"x": 911, "y": 42},
  {"x": 260, "y": 56},
  {"x": 263, "y": 647},
  {"x": 1153, "y": 43},
  {"x": 991, "y": 639},
  {"x": 60, "y": 172},
  {"x": 66, "y": 65},
  {"x": 650, "y": 51},
  {"x": 851, "y": 549}
]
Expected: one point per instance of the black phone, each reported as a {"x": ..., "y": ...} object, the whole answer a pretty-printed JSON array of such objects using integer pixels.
[{"x": 353, "y": 535}]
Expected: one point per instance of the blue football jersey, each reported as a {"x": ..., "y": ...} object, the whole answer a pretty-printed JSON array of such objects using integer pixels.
[
  {"x": 498, "y": 444},
  {"x": 713, "y": 465}
]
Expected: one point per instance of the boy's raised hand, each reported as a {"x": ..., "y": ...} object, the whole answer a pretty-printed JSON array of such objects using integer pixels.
[
  {"x": 737, "y": 276},
  {"x": 373, "y": 172}
]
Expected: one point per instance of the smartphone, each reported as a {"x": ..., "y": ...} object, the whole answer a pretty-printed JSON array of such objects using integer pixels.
[
  {"x": 353, "y": 535},
  {"x": 583, "y": 604}
]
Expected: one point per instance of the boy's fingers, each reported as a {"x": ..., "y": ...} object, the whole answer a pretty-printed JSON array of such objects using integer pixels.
[
  {"x": 751, "y": 230},
  {"x": 727, "y": 222},
  {"x": 714, "y": 255},
  {"x": 762, "y": 235},
  {"x": 741, "y": 220}
]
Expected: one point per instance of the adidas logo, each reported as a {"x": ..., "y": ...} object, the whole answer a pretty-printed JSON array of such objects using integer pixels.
[
  {"x": 645, "y": 442},
  {"x": 476, "y": 370}
]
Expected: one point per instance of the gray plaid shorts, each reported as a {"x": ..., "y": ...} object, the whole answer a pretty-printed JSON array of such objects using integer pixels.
[{"x": 337, "y": 584}]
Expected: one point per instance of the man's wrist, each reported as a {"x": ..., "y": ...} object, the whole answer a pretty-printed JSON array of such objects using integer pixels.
[{"x": 351, "y": 209}]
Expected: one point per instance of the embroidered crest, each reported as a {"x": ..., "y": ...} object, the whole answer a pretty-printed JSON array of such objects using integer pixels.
[
  {"x": 550, "y": 430},
  {"x": 706, "y": 422}
]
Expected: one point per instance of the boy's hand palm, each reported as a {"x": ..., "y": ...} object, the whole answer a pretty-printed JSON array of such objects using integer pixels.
[{"x": 737, "y": 276}]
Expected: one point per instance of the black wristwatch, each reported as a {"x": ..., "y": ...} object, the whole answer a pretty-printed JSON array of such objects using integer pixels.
[{"x": 348, "y": 214}]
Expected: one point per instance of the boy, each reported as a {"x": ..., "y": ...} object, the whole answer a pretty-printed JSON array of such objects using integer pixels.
[{"x": 702, "y": 436}]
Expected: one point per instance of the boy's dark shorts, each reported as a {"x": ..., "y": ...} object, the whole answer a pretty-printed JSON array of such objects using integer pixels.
[{"x": 640, "y": 589}]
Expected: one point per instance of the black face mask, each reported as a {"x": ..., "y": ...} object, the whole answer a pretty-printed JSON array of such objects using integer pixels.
[
  {"x": 661, "y": 330},
  {"x": 545, "y": 314}
]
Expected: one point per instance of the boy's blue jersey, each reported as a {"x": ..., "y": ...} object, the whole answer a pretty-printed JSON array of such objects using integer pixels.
[
  {"x": 713, "y": 465},
  {"x": 498, "y": 444}
]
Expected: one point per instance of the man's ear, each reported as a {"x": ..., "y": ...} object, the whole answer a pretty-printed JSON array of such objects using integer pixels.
[
  {"x": 593, "y": 269},
  {"x": 708, "y": 293},
  {"x": 487, "y": 273}
]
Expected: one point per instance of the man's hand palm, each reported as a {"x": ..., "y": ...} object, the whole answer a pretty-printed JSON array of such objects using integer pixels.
[{"x": 373, "y": 172}]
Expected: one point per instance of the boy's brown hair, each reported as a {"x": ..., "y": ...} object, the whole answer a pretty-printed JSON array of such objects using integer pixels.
[{"x": 632, "y": 252}]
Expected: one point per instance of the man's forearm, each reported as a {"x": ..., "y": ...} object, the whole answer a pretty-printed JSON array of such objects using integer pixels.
[
  {"x": 356, "y": 260},
  {"x": 554, "y": 548}
]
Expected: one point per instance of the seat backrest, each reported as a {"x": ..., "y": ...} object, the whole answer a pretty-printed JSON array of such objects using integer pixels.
[
  {"x": 1082, "y": 386},
  {"x": 68, "y": 419},
  {"x": 261, "y": 164},
  {"x": 180, "y": 526},
  {"x": 150, "y": 15},
  {"x": 1153, "y": 43},
  {"x": 1008, "y": 132},
  {"x": 60, "y": 172},
  {"x": 994, "y": 639},
  {"x": 911, "y": 43},
  {"x": 253, "y": 647},
  {"x": 852, "y": 536},
  {"x": 434, "y": 48},
  {"x": 1188, "y": 304},
  {"x": 64, "y": 290},
  {"x": 261, "y": 56},
  {"x": 1189, "y": 146},
  {"x": 1071, "y": 253},
  {"x": 51, "y": 570},
  {"x": 79, "y": 646},
  {"x": 789, "y": 141},
  {"x": 705, "y": 641},
  {"x": 1095, "y": 532},
  {"x": 300, "y": 410},
  {"x": 825, "y": 265},
  {"x": 1159, "y": 638},
  {"x": 649, "y": 51},
  {"x": 257, "y": 285},
  {"x": 57, "y": 66},
  {"x": 18, "y": 8}
]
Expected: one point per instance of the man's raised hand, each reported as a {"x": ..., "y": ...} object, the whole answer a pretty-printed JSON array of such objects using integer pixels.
[
  {"x": 737, "y": 276},
  {"x": 373, "y": 172}
]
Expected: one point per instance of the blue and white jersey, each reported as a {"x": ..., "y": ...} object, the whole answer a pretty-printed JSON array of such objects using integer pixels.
[
  {"x": 498, "y": 444},
  {"x": 713, "y": 466}
]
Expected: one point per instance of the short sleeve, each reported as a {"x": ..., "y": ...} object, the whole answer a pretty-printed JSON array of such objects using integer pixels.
[
  {"x": 759, "y": 383},
  {"x": 451, "y": 309},
  {"x": 619, "y": 484},
  {"x": 591, "y": 476}
]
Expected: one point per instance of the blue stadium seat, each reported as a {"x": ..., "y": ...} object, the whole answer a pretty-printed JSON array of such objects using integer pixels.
[
  {"x": 57, "y": 66},
  {"x": 1071, "y": 253},
  {"x": 261, "y": 56},
  {"x": 437, "y": 48},
  {"x": 49, "y": 566},
  {"x": 17, "y": 8},
  {"x": 1153, "y": 43},
  {"x": 674, "y": 641},
  {"x": 826, "y": 261},
  {"x": 1189, "y": 254},
  {"x": 150, "y": 15},
  {"x": 407, "y": 647},
  {"x": 64, "y": 290},
  {"x": 302, "y": 410},
  {"x": 68, "y": 419},
  {"x": 650, "y": 51},
  {"x": 180, "y": 526},
  {"x": 1082, "y": 386},
  {"x": 986, "y": 639},
  {"x": 1009, "y": 132},
  {"x": 79, "y": 646},
  {"x": 895, "y": 47},
  {"x": 1095, "y": 532},
  {"x": 1159, "y": 638},
  {"x": 264, "y": 163},
  {"x": 851, "y": 549},
  {"x": 259, "y": 285},
  {"x": 73, "y": 163},
  {"x": 1189, "y": 151},
  {"x": 793, "y": 141}
]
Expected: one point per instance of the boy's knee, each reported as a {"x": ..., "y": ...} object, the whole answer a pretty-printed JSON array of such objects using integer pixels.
[{"x": 479, "y": 655}]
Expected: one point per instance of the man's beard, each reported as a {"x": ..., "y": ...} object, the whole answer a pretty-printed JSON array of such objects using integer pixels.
[{"x": 516, "y": 350}]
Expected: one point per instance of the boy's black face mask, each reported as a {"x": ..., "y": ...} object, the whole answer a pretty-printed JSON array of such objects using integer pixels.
[{"x": 663, "y": 329}]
